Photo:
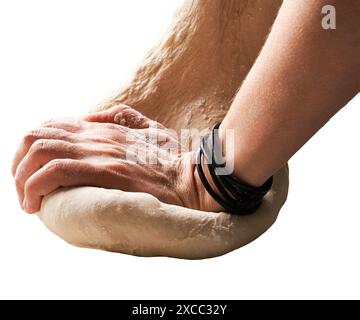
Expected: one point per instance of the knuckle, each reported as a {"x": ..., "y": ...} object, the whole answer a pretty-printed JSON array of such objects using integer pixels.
[
  {"x": 64, "y": 124},
  {"x": 29, "y": 187},
  {"x": 56, "y": 165},
  {"x": 39, "y": 146},
  {"x": 34, "y": 135},
  {"x": 62, "y": 135},
  {"x": 30, "y": 136},
  {"x": 67, "y": 136}
]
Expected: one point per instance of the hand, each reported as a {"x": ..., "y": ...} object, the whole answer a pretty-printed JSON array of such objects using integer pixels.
[{"x": 110, "y": 149}]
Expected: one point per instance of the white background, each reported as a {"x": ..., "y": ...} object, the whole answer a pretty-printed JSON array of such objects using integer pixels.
[{"x": 59, "y": 58}]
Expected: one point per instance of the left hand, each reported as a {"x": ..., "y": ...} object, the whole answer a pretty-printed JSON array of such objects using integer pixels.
[{"x": 93, "y": 151}]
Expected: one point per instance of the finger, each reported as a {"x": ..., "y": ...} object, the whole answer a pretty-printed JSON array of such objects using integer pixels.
[
  {"x": 106, "y": 116},
  {"x": 64, "y": 173},
  {"x": 32, "y": 136},
  {"x": 40, "y": 153},
  {"x": 125, "y": 116},
  {"x": 55, "y": 174},
  {"x": 136, "y": 120},
  {"x": 68, "y": 124}
]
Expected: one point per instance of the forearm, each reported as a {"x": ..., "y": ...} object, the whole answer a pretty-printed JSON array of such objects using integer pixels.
[{"x": 302, "y": 77}]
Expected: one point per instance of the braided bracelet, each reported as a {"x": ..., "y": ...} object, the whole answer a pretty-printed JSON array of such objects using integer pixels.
[{"x": 234, "y": 196}]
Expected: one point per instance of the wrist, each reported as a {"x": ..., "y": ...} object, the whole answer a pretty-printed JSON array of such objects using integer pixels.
[
  {"x": 247, "y": 168},
  {"x": 190, "y": 188},
  {"x": 207, "y": 203}
]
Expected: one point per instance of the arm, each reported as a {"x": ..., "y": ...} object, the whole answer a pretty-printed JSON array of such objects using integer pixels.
[{"x": 303, "y": 76}]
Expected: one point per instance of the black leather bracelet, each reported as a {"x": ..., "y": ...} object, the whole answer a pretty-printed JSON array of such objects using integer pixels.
[{"x": 234, "y": 196}]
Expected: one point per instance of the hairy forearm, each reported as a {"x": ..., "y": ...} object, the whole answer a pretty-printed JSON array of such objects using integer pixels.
[{"x": 302, "y": 77}]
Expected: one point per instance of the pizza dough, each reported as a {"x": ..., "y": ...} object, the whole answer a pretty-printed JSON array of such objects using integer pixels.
[{"x": 187, "y": 81}]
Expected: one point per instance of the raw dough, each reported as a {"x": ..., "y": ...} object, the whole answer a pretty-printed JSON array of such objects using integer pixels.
[
  {"x": 139, "y": 224},
  {"x": 188, "y": 81}
]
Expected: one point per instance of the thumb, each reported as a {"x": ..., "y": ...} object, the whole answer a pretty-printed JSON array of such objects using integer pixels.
[
  {"x": 122, "y": 115},
  {"x": 106, "y": 116}
]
